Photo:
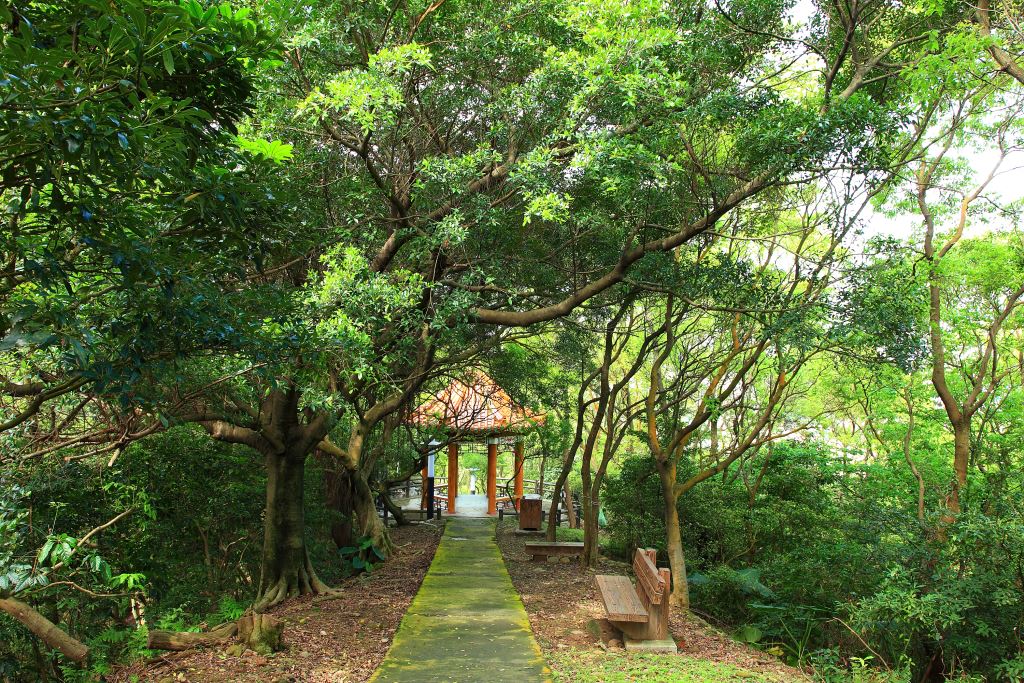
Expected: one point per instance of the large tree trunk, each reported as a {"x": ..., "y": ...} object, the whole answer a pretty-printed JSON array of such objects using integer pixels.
[
  {"x": 368, "y": 523},
  {"x": 286, "y": 570},
  {"x": 680, "y": 596},
  {"x": 45, "y": 630},
  {"x": 338, "y": 498}
]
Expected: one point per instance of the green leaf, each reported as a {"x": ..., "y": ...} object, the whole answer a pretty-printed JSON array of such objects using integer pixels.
[
  {"x": 20, "y": 339},
  {"x": 168, "y": 61},
  {"x": 25, "y": 582},
  {"x": 44, "y": 552},
  {"x": 79, "y": 350}
]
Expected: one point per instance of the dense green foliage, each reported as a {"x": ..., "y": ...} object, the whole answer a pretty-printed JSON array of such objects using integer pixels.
[
  {"x": 826, "y": 553},
  {"x": 192, "y": 556},
  {"x": 242, "y": 242}
]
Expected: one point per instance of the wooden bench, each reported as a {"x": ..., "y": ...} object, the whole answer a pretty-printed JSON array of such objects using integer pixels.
[
  {"x": 640, "y": 612},
  {"x": 539, "y": 550}
]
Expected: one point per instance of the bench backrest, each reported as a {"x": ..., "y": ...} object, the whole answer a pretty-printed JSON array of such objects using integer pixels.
[{"x": 648, "y": 578}]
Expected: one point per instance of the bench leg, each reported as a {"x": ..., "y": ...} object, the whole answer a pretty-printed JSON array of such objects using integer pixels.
[{"x": 633, "y": 629}]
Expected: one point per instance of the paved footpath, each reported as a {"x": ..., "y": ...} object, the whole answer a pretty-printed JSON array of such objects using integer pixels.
[{"x": 466, "y": 623}]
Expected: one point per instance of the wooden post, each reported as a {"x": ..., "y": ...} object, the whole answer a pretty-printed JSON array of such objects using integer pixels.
[
  {"x": 492, "y": 476},
  {"x": 453, "y": 475},
  {"x": 518, "y": 495}
]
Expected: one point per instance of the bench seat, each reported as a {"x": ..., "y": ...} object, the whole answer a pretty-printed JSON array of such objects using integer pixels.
[
  {"x": 621, "y": 601},
  {"x": 541, "y": 549}
]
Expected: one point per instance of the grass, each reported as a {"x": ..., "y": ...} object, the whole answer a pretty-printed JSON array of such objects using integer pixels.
[
  {"x": 607, "y": 548},
  {"x": 594, "y": 666},
  {"x": 567, "y": 534}
]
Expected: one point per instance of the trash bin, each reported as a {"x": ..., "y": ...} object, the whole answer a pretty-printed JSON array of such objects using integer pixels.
[{"x": 529, "y": 512}]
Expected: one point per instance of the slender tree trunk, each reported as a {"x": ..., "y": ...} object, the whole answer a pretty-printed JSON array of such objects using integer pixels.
[
  {"x": 570, "y": 509},
  {"x": 393, "y": 508},
  {"x": 591, "y": 522},
  {"x": 563, "y": 478},
  {"x": 591, "y": 528},
  {"x": 907, "y": 440},
  {"x": 589, "y": 512},
  {"x": 680, "y": 596},
  {"x": 286, "y": 569},
  {"x": 961, "y": 457},
  {"x": 540, "y": 477}
]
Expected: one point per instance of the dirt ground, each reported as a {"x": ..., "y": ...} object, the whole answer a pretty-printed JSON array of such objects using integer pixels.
[
  {"x": 340, "y": 640},
  {"x": 561, "y": 599}
]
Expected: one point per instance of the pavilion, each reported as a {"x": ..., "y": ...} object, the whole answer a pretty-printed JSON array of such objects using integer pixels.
[{"x": 474, "y": 410}]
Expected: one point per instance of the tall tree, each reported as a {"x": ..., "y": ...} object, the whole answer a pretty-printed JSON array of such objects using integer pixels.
[{"x": 940, "y": 198}]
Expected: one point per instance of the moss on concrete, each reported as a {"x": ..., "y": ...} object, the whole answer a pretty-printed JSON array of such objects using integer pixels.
[{"x": 466, "y": 623}]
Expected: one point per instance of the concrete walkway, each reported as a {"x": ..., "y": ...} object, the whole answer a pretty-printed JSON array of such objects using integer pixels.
[
  {"x": 467, "y": 623},
  {"x": 469, "y": 505}
]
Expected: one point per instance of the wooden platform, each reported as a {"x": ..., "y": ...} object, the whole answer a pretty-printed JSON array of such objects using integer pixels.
[{"x": 540, "y": 550}]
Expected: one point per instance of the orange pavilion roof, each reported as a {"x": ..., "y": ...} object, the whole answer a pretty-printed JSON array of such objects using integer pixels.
[{"x": 475, "y": 405}]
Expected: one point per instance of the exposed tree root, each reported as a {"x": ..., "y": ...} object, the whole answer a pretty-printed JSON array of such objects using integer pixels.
[
  {"x": 182, "y": 640},
  {"x": 334, "y": 594},
  {"x": 258, "y": 632},
  {"x": 292, "y": 584}
]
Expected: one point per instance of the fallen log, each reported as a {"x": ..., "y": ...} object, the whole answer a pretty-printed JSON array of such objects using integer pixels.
[
  {"x": 45, "y": 630},
  {"x": 185, "y": 640}
]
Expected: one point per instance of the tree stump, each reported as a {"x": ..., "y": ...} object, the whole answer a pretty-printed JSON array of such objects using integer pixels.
[{"x": 260, "y": 632}]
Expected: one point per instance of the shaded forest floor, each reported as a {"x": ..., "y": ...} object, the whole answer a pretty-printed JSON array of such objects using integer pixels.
[
  {"x": 344, "y": 639},
  {"x": 562, "y": 601},
  {"x": 341, "y": 639}
]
